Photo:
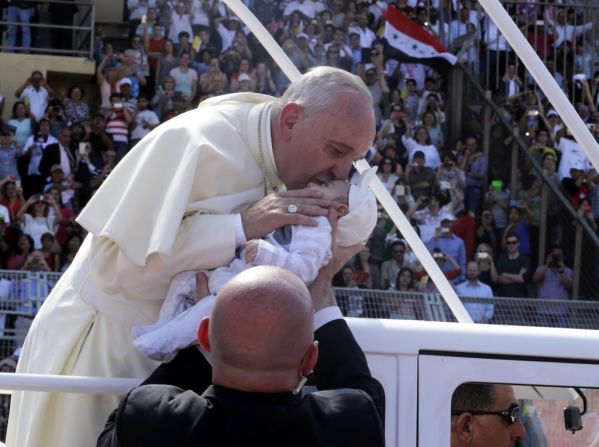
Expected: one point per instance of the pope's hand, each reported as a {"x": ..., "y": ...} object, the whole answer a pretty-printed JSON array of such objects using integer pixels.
[
  {"x": 286, "y": 208},
  {"x": 251, "y": 251}
]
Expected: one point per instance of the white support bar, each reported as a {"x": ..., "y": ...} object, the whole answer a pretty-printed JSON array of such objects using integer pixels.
[
  {"x": 400, "y": 221},
  {"x": 545, "y": 80},
  {"x": 66, "y": 384}
]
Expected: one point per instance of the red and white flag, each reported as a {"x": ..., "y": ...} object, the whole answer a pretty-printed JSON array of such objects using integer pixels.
[{"x": 408, "y": 41}]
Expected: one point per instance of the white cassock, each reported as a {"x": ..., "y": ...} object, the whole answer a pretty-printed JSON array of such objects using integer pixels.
[{"x": 166, "y": 208}]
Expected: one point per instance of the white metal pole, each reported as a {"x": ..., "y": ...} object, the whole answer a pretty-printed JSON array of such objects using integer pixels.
[
  {"x": 545, "y": 80},
  {"x": 381, "y": 193},
  {"x": 66, "y": 384}
]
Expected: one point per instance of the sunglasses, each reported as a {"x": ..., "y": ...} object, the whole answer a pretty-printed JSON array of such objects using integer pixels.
[
  {"x": 511, "y": 242},
  {"x": 511, "y": 414}
]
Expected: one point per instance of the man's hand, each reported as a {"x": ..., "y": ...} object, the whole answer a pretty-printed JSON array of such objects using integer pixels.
[
  {"x": 251, "y": 251},
  {"x": 271, "y": 212}
]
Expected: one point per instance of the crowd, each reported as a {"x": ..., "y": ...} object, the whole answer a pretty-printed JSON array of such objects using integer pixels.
[{"x": 58, "y": 146}]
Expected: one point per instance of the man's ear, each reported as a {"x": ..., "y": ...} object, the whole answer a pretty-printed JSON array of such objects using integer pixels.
[
  {"x": 464, "y": 428},
  {"x": 203, "y": 334},
  {"x": 310, "y": 359},
  {"x": 289, "y": 117}
]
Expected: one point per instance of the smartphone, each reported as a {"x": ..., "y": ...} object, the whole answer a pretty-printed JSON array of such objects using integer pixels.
[
  {"x": 18, "y": 184},
  {"x": 444, "y": 230},
  {"x": 82, "y": 148},
  {"x": 400, "y": 190},
  {"x": 497, "y": 185},
  {"x": 444, "y": 185},
  {"x": 118, "y": 106},
  {"x": 41, "y": 198},
  {"x": 579, "y": 77},
  {"x": 515, "y": 203},
  {"x": 482, "y": 255},
  {"x": 143, "y": 19}
]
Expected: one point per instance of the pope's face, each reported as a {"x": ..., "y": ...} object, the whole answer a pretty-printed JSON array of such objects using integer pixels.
[{"x": 323, "y": 147}]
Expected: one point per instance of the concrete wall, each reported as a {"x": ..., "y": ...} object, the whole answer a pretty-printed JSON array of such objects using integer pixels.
[
  {"x": 110, "y": 11},
  {"x": 16, "y": 68}
]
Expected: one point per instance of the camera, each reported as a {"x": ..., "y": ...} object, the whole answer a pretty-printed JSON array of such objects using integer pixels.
[
  {"x": 41, "y": 198},
  {"x": 555, "y": 261},
  {"x": 481, "y": 256},
  {"x": 118, "y": 106}
]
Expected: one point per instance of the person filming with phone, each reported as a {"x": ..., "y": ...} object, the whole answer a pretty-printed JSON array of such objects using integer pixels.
[
  {"x": 554, "y": 281},
  {"x": 117, "y": 124}
]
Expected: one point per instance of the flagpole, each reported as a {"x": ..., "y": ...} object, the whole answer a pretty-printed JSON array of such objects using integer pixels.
[{"x": 379, "y": 190}]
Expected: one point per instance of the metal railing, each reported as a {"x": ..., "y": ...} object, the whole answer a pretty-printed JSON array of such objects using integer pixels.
[
  {"x": 487, "y": 54},
  {"x": 431, "y": 307},
  {"x": 81, "y": 32}
]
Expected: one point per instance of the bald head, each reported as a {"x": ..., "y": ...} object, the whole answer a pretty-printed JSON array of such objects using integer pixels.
[{"x": 261, "y": 324}]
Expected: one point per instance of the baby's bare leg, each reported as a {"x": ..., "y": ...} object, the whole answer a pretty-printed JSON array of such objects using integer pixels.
[{"x": 201, "y": 286}]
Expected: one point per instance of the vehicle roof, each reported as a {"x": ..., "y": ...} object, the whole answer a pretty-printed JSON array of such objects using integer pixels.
[{"x": 413, "y": 337}]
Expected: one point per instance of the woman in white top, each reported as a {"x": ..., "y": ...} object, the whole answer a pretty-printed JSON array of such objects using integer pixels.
[
  {"x": 387, "y": 174},
  {"x": 36, "y": 222},
  {"x": 179, "y": 21},
  {"x": 421, "y": 142},
  {"x": 23, "y": 121}
]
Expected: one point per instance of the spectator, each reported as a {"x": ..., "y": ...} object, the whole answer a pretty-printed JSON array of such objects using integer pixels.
[
  {"x": 163, "y": 98},
  {"x": 264, "y": 81},
  {"x": 140, "y": 56},
  {"x": 433, "y": 127},
  {"x": 215, "y": 81},
  {"x": 421, "y": 142},
  {"x": 9, "y": 151},
  {"x": 36, "y": 93},
  {"x": 5, "y": 245},
  {"x": 420, "y": 178},
  {"x": 513, "y": 270},
  {"x": 138, "y": 9},
  {"x": 441, "y": 258},
  {"x": 486, "y": 264},
  {"x": 367, "y": 36},
  {"x": 68, "y": 255},
  {"x": 498, "y": 202},
  {"x": 149, "y": 25},
  {"x": 571, "y": 154},
  {"x": 366, "y": 273},
  {"x": 133, "y": 72},
  {"x": 153, "y": 46},
  {"x": 19, "y": 257},
  {"x": 55, "y": 114},
  {"x": 117, "y": 125},
  {"x": 183, "y": 45},
  {"x": 475, "y": 167},
  {"x": 186, "y": 78},
  {"x": 106, "y": 78},
  {"x": 377, "y": 84},
  {"x": 429, "y": 211},
  {"x": 75, "y": 109},
  {"x": 166, "y": 62},
  {"x": 12, "y": 199},
  {"x": 34, "y": 148},
  {"x": 48, "y": 250},
  {"x": 66, "y": 222},
  {"x": 201, "y": 11},
  {"x": 472, "y": 400},
  {"x": 391, "y": 268},
  {"x": 554, "y": 280},
  {"x": 450, "y": 177},
  {"x": 485, "y": 229},
  {"x": 36, "y": 221},
  {"x": 472, "y": 287},
  {"x": 23, "y": 121},
  {"x": 95, "y": 134},
  {"x": 449, "y": 243},
  {"x": 459, "y": 26},
  {"x": 387, "y": 174},
  {"x": 66, "y": 185},
  {"x": 516, "y": 226},
  {"x": 124, "y": 87},
  {"x": 411, "y": 99},
  {"x": 179, "y": 21},
  {"x": 227, "y": 33},
  {"x": 250, "y": 77},
  {"x": 511, "y": 84},
  {"x": 21, "y": 12},
  {"x": 144, "y": 121},
  {"x": 58, "y": 154}
]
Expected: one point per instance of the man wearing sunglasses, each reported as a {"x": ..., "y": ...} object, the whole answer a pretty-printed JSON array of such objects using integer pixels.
[{"x": 485, "y": 415}]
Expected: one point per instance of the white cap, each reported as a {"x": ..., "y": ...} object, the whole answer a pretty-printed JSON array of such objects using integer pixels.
[
  {"x": 123, "y": 81},
  {"x": 243, "y": 77},
  {"x": 357, "y": 225}
]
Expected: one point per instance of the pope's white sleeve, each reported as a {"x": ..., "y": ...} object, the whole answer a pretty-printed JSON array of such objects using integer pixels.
[
  {"x": 202, "y": 242},
  {"x": 309, "y": 250}
]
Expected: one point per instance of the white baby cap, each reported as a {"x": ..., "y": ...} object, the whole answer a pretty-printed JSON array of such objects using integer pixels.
[{"x": 356, "y": 226}]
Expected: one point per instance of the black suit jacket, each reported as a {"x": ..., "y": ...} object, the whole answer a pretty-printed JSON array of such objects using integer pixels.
[
  {"x": 349, "y": 412},
  {"x": 50, "y": 157}
]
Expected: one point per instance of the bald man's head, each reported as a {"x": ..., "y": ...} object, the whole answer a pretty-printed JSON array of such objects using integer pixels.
[{"x": 261, "y": 324}]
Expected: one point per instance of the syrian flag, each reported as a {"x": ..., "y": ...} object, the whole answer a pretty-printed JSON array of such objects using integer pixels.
[{"x": 408, "y": 41}]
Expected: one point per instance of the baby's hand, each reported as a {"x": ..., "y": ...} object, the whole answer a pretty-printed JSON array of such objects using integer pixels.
[{"x": 251, "y": 251}]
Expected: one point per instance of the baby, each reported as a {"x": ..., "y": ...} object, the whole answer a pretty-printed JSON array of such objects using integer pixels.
[{"x": 300, "y": 249}]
